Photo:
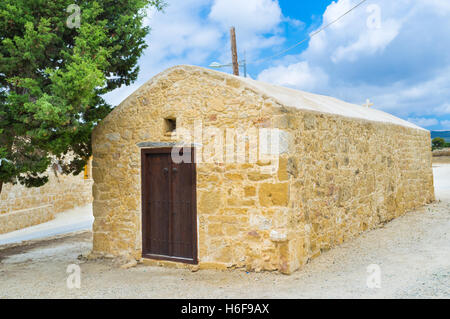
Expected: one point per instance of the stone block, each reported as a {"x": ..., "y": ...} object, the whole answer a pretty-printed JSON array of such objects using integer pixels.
[{"x": 273, "y": 194}]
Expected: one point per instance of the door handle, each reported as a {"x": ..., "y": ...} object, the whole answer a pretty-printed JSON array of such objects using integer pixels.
[
  {"x": 165, "y": 170},
  {"x": 174, "y": 170}
]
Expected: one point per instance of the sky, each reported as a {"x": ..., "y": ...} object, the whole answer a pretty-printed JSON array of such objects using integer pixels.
[{"x": 395, "y": 53}]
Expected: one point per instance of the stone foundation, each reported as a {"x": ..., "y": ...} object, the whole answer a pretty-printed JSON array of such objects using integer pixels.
[
  {"x": 25, "y": 218},
  {"x": 61, "y": 193}
]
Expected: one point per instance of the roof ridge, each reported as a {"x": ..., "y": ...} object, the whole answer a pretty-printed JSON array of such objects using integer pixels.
[{"x": 290, "y": 97}]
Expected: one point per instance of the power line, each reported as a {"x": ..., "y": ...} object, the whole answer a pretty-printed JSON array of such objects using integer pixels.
[{"x": 309, "y": 37}]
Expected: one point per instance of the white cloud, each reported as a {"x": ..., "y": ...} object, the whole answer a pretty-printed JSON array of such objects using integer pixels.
[
  {"x": 257, "y": 24},
  {"x": 441, "y": 7},
  {"x": 442, "y": 109},
  {"x": 445, "y": 125},
  {"x": 423, "y": 122},
  {"x": 249, "y": 15},
  {"x": 299, "y": 75},
  {"x": 369, "y": 42},
  {"x": 181, "y": 30},
  {"x": 401, "y": 63},
  {"x": 334, "y": 11}
]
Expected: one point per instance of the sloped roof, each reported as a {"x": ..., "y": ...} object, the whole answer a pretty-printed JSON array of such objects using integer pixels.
[
  {"x": 325, "y": 104},
  {"x": 298, "y": 99}
]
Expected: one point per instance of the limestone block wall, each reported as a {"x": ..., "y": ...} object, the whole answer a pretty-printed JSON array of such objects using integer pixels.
[
  {"x": 338, "y": 177},
  {"x": 348, "y": 176},
  {"x": 25, "y": 218},
  {"x": 59, "y": 194}
]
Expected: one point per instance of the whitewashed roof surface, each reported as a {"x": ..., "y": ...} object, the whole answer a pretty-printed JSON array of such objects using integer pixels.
[
  {"x": 325, "y": 104},
  {"x": 309, "y": 101}
]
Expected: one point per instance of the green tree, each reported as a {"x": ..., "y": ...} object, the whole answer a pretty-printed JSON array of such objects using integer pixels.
[
  {"x": 438, "y": 142},
  {"x": 53, "y": 73}
]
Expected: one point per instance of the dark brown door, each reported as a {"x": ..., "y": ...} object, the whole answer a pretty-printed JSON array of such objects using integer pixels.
[{"x": 169, "y": 221}]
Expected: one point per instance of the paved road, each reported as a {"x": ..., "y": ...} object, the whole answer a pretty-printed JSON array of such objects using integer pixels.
[
  {"x": 442, "y": 179},
  {"x": 70, "y": 221}
]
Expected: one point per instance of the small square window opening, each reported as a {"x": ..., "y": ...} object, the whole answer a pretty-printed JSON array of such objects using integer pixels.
[{"x": 170, "y": 125}]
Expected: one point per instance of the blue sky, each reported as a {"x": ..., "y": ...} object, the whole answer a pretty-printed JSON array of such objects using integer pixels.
[{"x": 395, "y": 53}]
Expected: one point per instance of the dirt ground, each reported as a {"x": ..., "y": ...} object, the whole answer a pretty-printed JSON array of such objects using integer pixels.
[{"x": 413, "y": 253}]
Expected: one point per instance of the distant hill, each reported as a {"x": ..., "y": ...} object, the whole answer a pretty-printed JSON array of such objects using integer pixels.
[{"x": 444, "y": 134}]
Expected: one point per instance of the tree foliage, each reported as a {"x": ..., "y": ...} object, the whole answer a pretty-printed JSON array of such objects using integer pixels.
[
  {"x": 438, "y": 142},
  {"x": 52, "y": 78}
]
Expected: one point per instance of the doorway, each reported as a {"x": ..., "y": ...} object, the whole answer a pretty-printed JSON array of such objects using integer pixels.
[{"x": 169, "y": 206}]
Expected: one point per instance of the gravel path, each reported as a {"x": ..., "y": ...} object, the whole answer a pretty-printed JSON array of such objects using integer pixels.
[{"x": 413, "y": 253}]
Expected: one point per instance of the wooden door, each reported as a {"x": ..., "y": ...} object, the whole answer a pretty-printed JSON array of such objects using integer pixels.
[{"x": 169, "y": 209}]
